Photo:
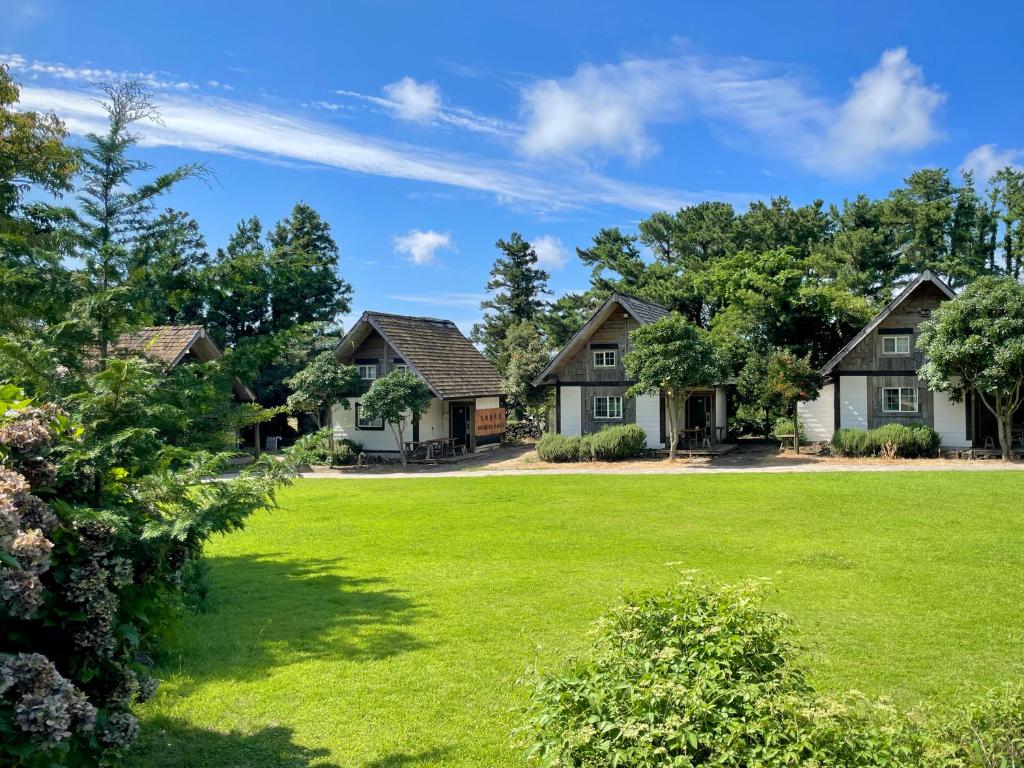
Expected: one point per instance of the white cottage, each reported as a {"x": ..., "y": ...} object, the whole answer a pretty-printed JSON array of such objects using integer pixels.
[{"x": 467, "y": 405}]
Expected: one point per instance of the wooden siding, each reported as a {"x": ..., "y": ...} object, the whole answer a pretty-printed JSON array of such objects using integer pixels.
[
  {"x": 375, "y": 348},
  {"x": 925, "y": 402},
  {"x": 867, "y": 356},
  {"x": 580, "y": 366},
  {"x": 591, "y": 424}
]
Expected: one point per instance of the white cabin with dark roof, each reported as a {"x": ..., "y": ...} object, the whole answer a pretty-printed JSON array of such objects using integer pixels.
[
  {"x": 590, "y": 381},
  {"x": 873, "y": 380},
  {"x": 467, "y": 407}
]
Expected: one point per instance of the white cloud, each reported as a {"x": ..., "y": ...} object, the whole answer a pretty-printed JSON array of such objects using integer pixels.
[
  {"x": 442, "y": 299},
  {"x": 411, "y": 100},
  {"x": 987, "y": 159},
  {"x": 550, "y": 251},
  {"x": 607, "y": 107},
  {"x": 420, "y": 247},
  {"x": 890, "y": 109},
  {"x": 225, "y": 126},
  {"x": 159, "y": 81}
]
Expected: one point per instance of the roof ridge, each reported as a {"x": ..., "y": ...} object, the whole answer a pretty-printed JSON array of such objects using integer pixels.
[
  {"x": 410, "y": 317},
  {"x": 634, "y": 297}
]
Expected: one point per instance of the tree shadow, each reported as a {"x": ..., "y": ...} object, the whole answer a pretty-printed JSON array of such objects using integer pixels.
[
  {"x": 265, "y": 611},
  {"x": 166, "y": 742}
]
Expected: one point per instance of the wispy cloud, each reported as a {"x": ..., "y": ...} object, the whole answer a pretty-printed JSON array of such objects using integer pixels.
[
  {"x": 550, "y": 251},
  {"x": 985, "y": 160},
  {"x": 889, "y": 109},
  {"x": 160, "y": 81},
  {"x": 441, "y": 299},
  {"x": 421, "y": 102},
  {"x": 420, "y": 247},
  {"x": 218, "y": 124}
]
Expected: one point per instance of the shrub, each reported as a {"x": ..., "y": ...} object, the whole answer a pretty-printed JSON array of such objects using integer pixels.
[
  {"x": 895, "y": 440},
  {"x": 704, "y": 676},
  {"x": 560, "y": 448},
  {"x": 99, "y": 548},
  {"x": 618, "y": 443},
  {"x": 610, "y": 444}
]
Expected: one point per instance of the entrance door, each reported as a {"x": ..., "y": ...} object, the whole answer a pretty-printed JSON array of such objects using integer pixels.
[
  {"x": 698, "y": 411},
  {"x": 460, "y": 423}
]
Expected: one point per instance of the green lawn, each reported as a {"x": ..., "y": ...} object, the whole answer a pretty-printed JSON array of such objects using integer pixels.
[{"x": 383, "y": 624}]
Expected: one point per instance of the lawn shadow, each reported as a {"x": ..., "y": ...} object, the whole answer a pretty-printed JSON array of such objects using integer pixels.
[
  {"x": 264, "y": 611},
  {"x": 166, "y": 742}
]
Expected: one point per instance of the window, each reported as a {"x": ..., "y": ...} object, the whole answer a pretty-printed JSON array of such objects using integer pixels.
[
  {"x": 363, "y": 423},
  {"x": 895, "y": 345},
  {"x": 398, "y": 365},
  {"x": 367, "y": 371},
  {"x": 899, "y": 399},
  {"x": 604, "y": 358},
  {"x": 607, "y": 407}
]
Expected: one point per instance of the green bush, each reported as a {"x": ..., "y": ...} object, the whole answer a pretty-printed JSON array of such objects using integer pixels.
[
  {"x": 895, "y": 440},
  {"x": 618, "y": 443},
  {"x": 704, "y": 676},
  {"x": 610, "y": 444},
  {"x": 345, "y": 452},
  {"x": 560, "y": 448}
]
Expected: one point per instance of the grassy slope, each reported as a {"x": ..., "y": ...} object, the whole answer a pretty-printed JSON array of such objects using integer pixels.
[{"x": 384, "y": 623}]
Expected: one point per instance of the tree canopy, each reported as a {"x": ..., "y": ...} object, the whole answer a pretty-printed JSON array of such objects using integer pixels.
[{"x": 396, "y": 398}]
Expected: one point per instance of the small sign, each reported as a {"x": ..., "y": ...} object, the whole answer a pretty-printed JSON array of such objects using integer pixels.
[{"x": 489, "y": 421}]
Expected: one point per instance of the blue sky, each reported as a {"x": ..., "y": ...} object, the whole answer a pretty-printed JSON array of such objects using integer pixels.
[{"x": 425, "y": 131}]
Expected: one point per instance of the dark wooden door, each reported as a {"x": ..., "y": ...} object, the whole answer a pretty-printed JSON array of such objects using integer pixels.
[
  {"x": 698, "y": 411},
  {"x": 460, "y": 423}
]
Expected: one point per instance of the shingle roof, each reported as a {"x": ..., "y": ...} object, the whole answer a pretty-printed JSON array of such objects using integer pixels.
[
  {"x": 644, "y": 311},
  {"x": 437, "y": 351},
  {"x": 164, "y": 343}
]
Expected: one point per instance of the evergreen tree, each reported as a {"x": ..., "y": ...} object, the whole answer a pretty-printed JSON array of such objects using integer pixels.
[
  {"x": 518, "y": 286},
  {"x": 116, "y": 208},
  {"x": 168, "y": 270}
]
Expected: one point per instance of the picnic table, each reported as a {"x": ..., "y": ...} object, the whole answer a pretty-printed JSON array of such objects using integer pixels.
[{"x": 432, "y": 448}]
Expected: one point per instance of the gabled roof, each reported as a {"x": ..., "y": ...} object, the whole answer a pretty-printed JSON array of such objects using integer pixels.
[
  {"x": 169, "y": 344},
  {"x": 925, "y": 277},
  {"x": 641, "y": 310},
  {"x": 435, "y": 349}
]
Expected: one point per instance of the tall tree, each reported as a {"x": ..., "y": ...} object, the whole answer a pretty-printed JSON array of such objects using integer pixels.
[
  {"x": 793, "y": 379},
  {"x": 671, "y": 356},
  {"x": 975, "y": 343},
  {"x": 518, "y": 287},
  {"x": 115, "y": 207},
  {"x": 167, "y": 271},
  {"x": 523, "y": 357},
  {"x": 305, "y": 286},
  {"x": 35, "y": 163},
  {"x": 1007, "y": 190}
]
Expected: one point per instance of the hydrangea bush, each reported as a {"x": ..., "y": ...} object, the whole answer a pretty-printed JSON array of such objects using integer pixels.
[{"x": 91, "y": 564}]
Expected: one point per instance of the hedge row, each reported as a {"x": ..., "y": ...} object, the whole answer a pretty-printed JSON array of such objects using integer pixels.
[
  {"x": 610, "y": 444},
  {"x": 895, "y": 440}
]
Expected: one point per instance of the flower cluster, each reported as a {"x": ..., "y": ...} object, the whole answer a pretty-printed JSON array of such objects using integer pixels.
[
  {"x": 27, "y": 430},
  {"x": 45, "y": 704},
  {"x": 24, "y": 520}
]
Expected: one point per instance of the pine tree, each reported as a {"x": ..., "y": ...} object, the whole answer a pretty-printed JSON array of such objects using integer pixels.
[{"x": 518, "y": 286}]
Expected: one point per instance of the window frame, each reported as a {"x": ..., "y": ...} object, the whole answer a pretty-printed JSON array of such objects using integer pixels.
[
  {"x": 896, "y": 338},
  {"x": 607, "y": 407},
  {"x": 370, "y": 426},
  {"x": 601, "y": 353},
  {"x": 364, "y": 379},
  {"x": 900, "y": 400}
]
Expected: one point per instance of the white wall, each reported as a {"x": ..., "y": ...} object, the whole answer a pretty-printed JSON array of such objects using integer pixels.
[
  {"x": 818, "y": 417},
  {"x": 570, "y": 420},
  {"x": 721, "y": 414},
  {"x": 433, "y": 423},
  {"x": 951, "y": 421},
  {"x": 853, "y": 402},
  {"x": 648, "y": 418}
]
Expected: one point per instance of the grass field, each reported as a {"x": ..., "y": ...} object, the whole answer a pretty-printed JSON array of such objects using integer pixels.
[{"x": 383, "y": 624}]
